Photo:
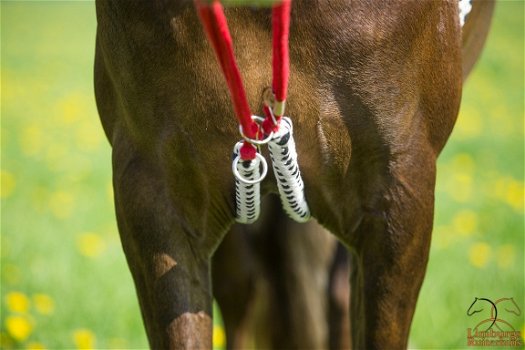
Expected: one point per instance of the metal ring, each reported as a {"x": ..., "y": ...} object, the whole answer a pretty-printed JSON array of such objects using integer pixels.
[
  {"x": 269, "y": 100},
  {"x": 268, "y": 97},
  {"x": 259, "y": 120},
  {"x": 239, "y": 177}
]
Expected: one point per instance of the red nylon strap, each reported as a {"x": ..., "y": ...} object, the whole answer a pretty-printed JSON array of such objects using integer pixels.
[
  {"x": 280, "y": 56},
  {"x": 216, "y": 27}
]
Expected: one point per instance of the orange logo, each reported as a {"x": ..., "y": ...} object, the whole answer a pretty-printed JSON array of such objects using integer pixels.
[{"x": 495, "y": 329}]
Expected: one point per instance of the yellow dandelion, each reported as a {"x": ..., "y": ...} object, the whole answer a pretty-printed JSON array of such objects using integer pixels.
[
  {"x": 506, "y": 256},
  {"x": 515, "y": 194},
  {"x": 479, "y": 254},
  {"x": 18, "y": 326},
  {"x": 71, "y": 108},
  {"x": 8, "y": 184},
  {"x": 219, "y": 337},
  {"x": 61, "y": 204},
  {"x": 84, "y": 339},
  {"x": 35, "y": 346},
  {"x": 90, "y": 244},
  {"x": 465, "y": 222},
  {"x": 44, "y": 304},
  {"x": 509, "y": 191},
  {"x": 17, "y": 302}
]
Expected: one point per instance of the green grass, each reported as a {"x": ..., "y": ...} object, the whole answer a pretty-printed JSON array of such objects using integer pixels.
[
  {"x": 64, "y": 281},
  {"x": 59, "y": 236}
]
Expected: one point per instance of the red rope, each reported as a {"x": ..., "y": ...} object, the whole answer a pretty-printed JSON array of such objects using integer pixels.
[
  {"x": 216, "y": 28},
  {"x": 280, "y": 57}
]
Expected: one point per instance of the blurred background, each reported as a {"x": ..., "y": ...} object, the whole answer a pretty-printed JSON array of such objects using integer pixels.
[{"x": 64, "y": 281}]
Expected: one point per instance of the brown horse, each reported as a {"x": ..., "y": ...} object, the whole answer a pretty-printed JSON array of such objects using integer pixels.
[{"x": 374, "y": 93}]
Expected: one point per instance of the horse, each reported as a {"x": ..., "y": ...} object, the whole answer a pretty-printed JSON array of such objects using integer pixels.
[{"x": 374, "y": 93}]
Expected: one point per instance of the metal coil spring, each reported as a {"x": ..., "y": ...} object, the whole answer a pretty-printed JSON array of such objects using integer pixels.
[
  {"x": 286, "y": 170},
  {"x": 247, "y": 188}
]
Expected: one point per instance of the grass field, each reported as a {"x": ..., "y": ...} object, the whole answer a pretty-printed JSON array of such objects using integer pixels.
[{"x": 64, "y": 281}]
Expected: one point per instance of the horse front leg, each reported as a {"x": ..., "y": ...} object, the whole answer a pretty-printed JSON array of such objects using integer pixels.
[
  {"x": 167, "y": 255},
  {"x": 391, "y": 248}
]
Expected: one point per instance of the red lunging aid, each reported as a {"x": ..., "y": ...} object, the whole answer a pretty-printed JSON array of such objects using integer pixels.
[
  {"x": 280, "y": 56},
  {"x": 216, "y": 27}
]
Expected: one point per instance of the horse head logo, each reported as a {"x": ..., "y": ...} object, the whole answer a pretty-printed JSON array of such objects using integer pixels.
[
  {"x": 477, "y": 306},
  {"x": 510, "y": 306},
  {"x": 506, "y": 304}
]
